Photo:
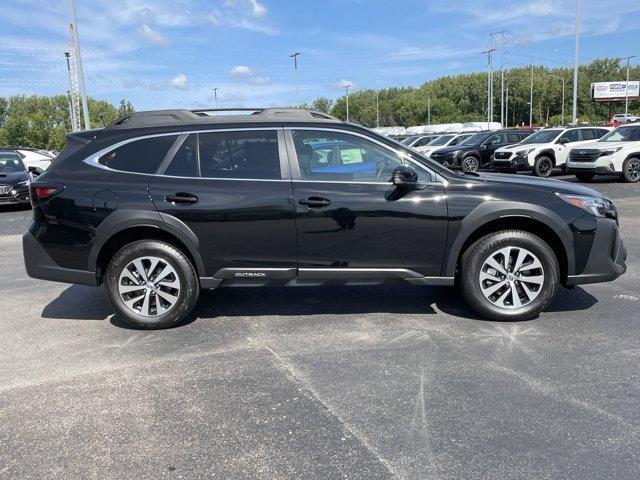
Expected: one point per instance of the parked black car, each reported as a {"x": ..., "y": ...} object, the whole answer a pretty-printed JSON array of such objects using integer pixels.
[
  {"x": 475, "y": 152},
  {"x": 161, "y": 204},
  {"x": 14, "y": 179}
]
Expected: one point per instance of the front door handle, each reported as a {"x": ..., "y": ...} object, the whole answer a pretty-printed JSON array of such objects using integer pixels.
[
  {"x": 315, "y": 202},
  {"x": 181, "y": 198}
]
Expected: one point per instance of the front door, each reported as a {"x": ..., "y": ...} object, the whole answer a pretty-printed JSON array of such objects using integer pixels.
[
  {"x": 348, "y": 214},
  {"x": 229, "y": 189}
]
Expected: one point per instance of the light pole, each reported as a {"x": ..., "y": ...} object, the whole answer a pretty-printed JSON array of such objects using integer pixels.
[
  {"x": 531, "y": 97},
  {"x": 506, "y": 104},
  {"x": 561, "y": 78},
  {"x": 76, "y": 39},
  {"x": 295, "y": 74},
  {"x": 501, "y": 33},
  {"x": 626, "y": 89},
  {"x": 576, "y": 42},
  {"x": 428, "y": 108},
  {"x": 489, "y": 87},
  {"x": 215, "y": 96},
  {"x": 346, "y": 88},
  {"x": 377, "y": 109}
]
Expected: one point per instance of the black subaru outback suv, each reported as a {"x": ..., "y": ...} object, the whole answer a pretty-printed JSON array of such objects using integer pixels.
[{"x": 161, "y": 204}]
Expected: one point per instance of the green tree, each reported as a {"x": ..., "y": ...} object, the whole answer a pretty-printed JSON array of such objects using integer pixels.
[{"x": 322, "y": 104}]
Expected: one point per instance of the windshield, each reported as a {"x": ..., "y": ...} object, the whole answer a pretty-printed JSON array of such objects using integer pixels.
[
  {"x": 476, "y": 138},
  {"x": 410, "y": 140},
  {"x": 442, "y": 140},
  {"x": 543, "y": 136},
  {"x": 10, "y": 162},
  {"x": 623, "y": 134}
]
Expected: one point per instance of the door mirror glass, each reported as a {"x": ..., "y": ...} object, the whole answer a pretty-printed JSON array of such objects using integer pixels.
[
  {"x": 33, "y": 171},
  {"x": 404, "y": 176}
]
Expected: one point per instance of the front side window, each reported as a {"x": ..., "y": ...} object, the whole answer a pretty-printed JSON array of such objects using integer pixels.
[
  {"x": 242, "y": 154},
  {"x": 493, "y": 140},
  {"x": 139, "y": 156},
  {"x": 336, "y": 156},
  {"x": 590, "y": 134}
]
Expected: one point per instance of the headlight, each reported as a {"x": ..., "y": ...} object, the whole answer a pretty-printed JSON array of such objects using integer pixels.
[
  {"x": 598, "y": 206},
  {"x": 610, "y": 151},
  {"x": 523, "y": 153}
]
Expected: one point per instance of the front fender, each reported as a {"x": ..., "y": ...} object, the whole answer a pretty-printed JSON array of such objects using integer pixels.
[{"x": 493, "y": 210}]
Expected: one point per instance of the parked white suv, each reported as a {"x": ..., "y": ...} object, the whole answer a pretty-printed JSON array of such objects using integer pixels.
[
  {"x": 544, "y": 150},
  {"x": 448, "y": 140},
  {"x": 617, "y": 153},
  {"x": 40, "y": 160}
]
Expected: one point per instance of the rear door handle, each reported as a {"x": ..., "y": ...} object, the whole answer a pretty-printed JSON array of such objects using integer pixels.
[
  {"x": 315, "y": 202},
  {"x": 181, "y": 198}
]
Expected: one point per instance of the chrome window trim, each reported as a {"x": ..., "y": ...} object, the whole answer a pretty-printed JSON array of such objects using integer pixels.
[
  {"x": 93, "y": 160},
  {"x": 297, "y": 175}
]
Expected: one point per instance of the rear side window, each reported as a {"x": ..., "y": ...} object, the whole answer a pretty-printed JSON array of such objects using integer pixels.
[
  {"x": 185, "y": 161},
  {"x": 139, "y": 156},
  {"x": 248, "y": 154}
]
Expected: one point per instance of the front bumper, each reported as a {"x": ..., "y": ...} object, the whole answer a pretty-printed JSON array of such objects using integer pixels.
[
  {"x": 17, "y": 195},
  {"x": 40, "y": 265},
  {"x": 513, "y": 164},
  {"x": 607, "y": 257},
  {"x": 608, "y": 169}
]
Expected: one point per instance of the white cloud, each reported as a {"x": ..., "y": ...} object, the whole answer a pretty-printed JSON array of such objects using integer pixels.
[
  {"x": 180, "y": 82},
  {"x": 153, "y": 36},
  {"x": 257, "y": 9},
  {"x": 346, "y": 83},
  {"x": 241, "y": 70}
]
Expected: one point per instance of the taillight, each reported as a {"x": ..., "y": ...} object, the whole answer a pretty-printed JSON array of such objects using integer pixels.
[{"x": 40, "y": 193}]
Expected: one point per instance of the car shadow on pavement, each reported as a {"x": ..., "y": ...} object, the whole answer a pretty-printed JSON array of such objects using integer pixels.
[{"x": 88, "y": 303}]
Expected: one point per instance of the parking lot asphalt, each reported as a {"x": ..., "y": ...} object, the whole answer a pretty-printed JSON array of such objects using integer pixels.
[{"x": 321, "y": 383}]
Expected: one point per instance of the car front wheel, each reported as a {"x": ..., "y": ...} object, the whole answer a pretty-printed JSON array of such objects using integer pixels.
[
  {"x": 151, "y": 284},
  {"x": 470, "y": 164},
  {"x": 543, "y": 167},
  {"x": 509, "y": 275},
  {"x": 631, "y": 170}
]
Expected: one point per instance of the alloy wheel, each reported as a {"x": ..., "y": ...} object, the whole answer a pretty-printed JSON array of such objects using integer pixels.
[
  {"x": 470, "y": 164},
  {"x": 511, "y": 277},
  {"x": 149, "y": 286},
  {"x": 633, "y": 171},
  {"x": 544, "y": 167}
]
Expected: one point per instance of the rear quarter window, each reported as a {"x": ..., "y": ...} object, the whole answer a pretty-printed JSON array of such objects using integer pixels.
[{"x": 139, "y": 156}]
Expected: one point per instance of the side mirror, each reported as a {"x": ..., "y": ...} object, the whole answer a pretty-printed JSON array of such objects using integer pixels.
[
  {"x": 563, "y": 141},
  {"x": 404, "y": 176},
  {"x": 33, "y": 171}
]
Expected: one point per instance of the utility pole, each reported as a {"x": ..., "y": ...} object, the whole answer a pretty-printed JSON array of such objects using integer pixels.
[
  {"x": 346, "y": 88},
  {"x": 626, "y": 90},
  {"x": 576, "y": 49},
  {"x": 501, "y": 33},
  {"x": 531, "y": 97},
  {"x": 295, "y": 74},
  {"x": 78, "y": 58},
  {"x": 489, "y": 51},
  {"x": 377, "y": 109},
  {"x": 506, "y": 104},
  {"x": 215, "y": 96}
]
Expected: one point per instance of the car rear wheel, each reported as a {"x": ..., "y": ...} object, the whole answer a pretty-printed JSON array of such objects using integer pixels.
[
  {"x": 631, "y": 170},
  {"x": 584, "y": 176},
  {"x": 509, "y": 275},
  {"x": 151, "y": 284},
  {"x": 543, "y": 167},
  {"x": 470, "y": 164}
]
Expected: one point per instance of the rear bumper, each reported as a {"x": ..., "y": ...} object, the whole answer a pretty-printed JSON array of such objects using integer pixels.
[
  {"x": 40, "y": 265},
  {"x": 607, "y": 257}
]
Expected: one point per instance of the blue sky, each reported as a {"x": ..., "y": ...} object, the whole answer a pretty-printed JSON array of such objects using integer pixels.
[{"x": 171, "y": 53}]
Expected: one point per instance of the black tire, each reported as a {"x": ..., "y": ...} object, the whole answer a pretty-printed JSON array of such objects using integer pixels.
[
  {"x": 476, "y": 255},
  {"x": 631, "y": 170},
  {"x": 585, "y": 176},
  {"x": 189, "y": 290},
  {"x": 543, "y": 166},
  {"x": 470, "y": 163}
]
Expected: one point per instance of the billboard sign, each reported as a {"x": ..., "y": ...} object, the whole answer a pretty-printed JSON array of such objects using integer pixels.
[{"x": 609, "y": 91}]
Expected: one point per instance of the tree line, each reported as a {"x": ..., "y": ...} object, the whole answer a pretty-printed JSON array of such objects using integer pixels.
[
  {"x": 463, "y": 98},
  {"x": 43, "y": 121}
]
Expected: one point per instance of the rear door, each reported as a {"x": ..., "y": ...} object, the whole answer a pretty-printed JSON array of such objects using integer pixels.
[
  {"x": 232, "y": 189},
  {"x": 351, "y": 221}
]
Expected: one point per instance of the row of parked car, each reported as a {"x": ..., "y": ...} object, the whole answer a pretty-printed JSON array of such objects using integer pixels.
[
  {"x": 585, "y": 151},
  {"x": 17, "y": 168}
]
